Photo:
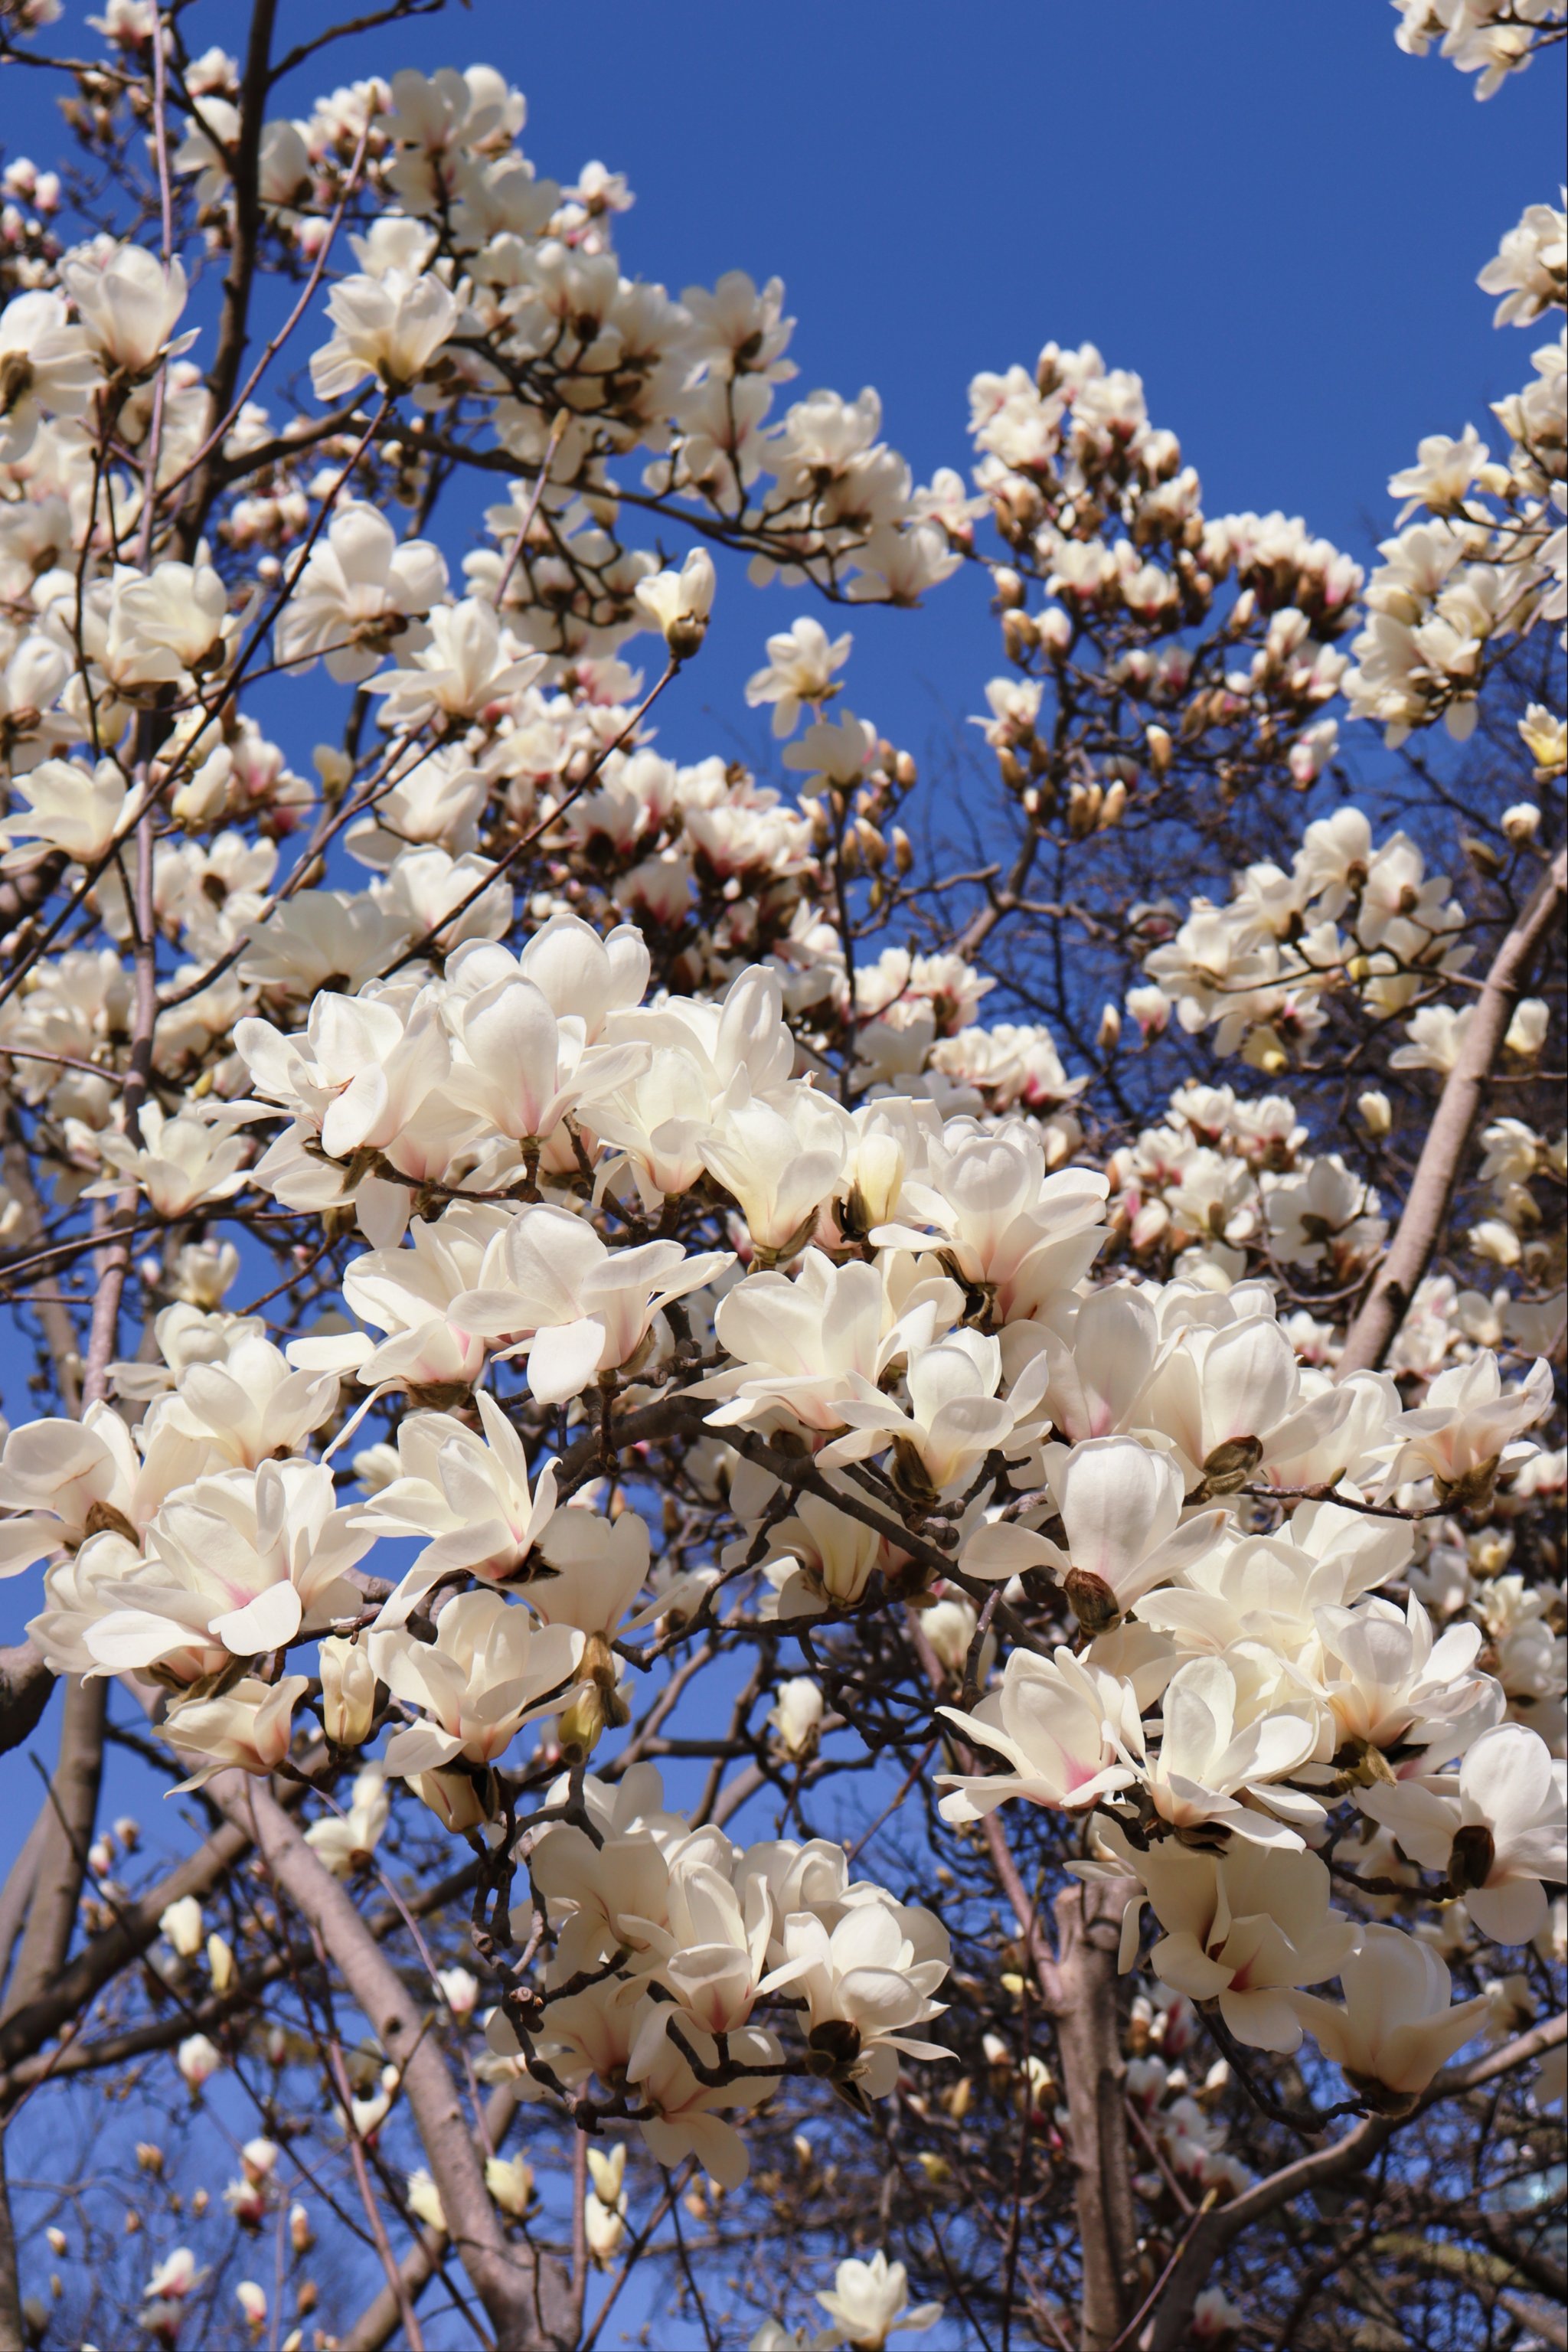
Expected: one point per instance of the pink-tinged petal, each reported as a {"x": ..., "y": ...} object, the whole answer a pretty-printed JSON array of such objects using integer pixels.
[{"x": 264, "y": 1624}]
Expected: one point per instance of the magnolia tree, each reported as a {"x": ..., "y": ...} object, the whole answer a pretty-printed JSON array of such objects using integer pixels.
[{"x": 843, "y": 1554}]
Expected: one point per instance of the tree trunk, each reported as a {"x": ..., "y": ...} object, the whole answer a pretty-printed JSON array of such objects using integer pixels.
[{"x": 1088, "y": 2038}]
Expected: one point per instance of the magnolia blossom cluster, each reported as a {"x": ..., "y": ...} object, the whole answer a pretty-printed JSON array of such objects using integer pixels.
[
  {"x": 907, "y": 1306},
  {"x": 1227, "y": 1182},
  {"x": 1172, "y": 646},
  {"x": 485, "y": 284},
  {"x": 1491, "y": 39},
  {"x": 1355, "y": 920},
  {"x": 1487, "y": 559},
  {"x": 670, "y": 1944}
]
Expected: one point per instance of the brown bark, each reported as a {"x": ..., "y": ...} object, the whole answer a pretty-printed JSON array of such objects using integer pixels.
[
  {"x": 62, "y": 1859},
  {"x": 379, "y": 2321},
  {"x": 17, "y": 1893},
  {"x": 1337, "y": 2161},
  {"x": 516, "y": 2292},
  {"x": 24, "y": 1687},
  {"x": 1088, "y": 2042},
  {"x": 1458, "y": 1107}
]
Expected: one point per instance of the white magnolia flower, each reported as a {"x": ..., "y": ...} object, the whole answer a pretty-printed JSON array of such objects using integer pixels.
[
  {"x": 1467, "y": 1425},
  {"x": 357, "y": 593},
  {"x": 684, "y": 2122},
  {"x": 345, "y": 1842},
  {"x": 1496, "y": 1830},
  {"x": 679, "y": 602},
  {"x": 812, "y": 1341},
  {"x": 1397, "y": 2027},
  {"x": 782, "y": 1157},
  {"x": 250, "y": 1725},
  {"x": 129, "y": 303},
  {"x": 490, "y": 1668},
  {"x": 1121, "y": 1505},
  {"x": 869, "y": 2301},
  {"x": 954, "y": 1419},
  {"x": 796, "y": 1714},
  {"x": 867, "y": 1982},
  {"x": 46, "y": 369},
  {"x": 236, "y": 1564},
  {"x": 469, "y": 1494},
  {"x": 181, "y": 1162},
  {"x": 68, "y": 808},
  {"x": 801, "y": 663},
  {"x": 168, "y": 627},
  {"x": 1209, "y": 1763},
  {"x": 390, "y": 327},
  {"x": 549, "y": 1287},
  {"x": 182, "y": 1924},
  {"x": 1243, "y": 1927},
  {"x": 468, "y": 663},
  {"x": 1059, "y": 1725},
  {"x": 998, "y": 1220}
]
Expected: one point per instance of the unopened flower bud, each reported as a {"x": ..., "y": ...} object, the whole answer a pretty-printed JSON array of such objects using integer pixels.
[
  {"x": 460, "y": 1800},
  {"x": 182, "y": 1925},
  {"x": 509, "y": 2180},
  {"x": 348, "y": 1692},
  {"x": 1019, "y": 636},
  {"x": 220, "y": 1962},
  {"x": 334, "y": 768},
  {"x": 1522, "y": 822},
  {"x": 1055, "y": 631},
  {"x": 198, "y": 2060},
  {"x": 459, "y": 1990},
  {"x": 1375, "y": 1112}
]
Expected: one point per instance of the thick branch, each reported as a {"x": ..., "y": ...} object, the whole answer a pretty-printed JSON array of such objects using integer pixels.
[
  {"x": 514, "y": 2291},
  {"x": 1094, "y": 2072},
  {"x": 1458, "y": 1107},
  {"x": 235, "y": 325},
  {"x": 62, "y": 1861},
  {"x": 26, "y": 1683},
  {"x": 379, "y": 2321},
  {"x": 1341, "y": 2158}
]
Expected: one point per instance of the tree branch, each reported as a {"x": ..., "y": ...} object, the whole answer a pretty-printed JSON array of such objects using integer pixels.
[
  {"x": 516, "y": 2290},
  {"x": 1436, "y": 1172}
]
